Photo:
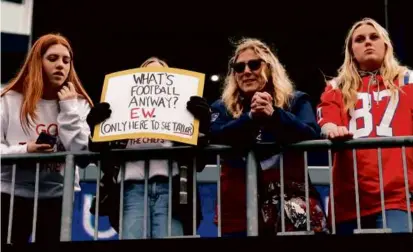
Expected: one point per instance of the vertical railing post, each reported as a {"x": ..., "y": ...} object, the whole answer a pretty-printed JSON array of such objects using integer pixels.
[
  {"x": 36, "y": 202},
  {"x": 97, "y": 200},
  {"x": 406, "y": 187},
  {"x": 219, "y": 195},
  {"x": 67, "y": 204},
  {"x": 282, "y": 193},
  {"x": 382, "y": 200},
  {"x": 307, "y": 193},
  {"x": 252, "y": 195},
  {"x": 11, "y": 208},
  {"x": 359, "y": 230},
  {"x": 356, "y": 188},
  {"x": 170, "y": 193},
  {"x": 121, "y": 199},
  {"x": 332, "y": 208},
  {"x": 194, "y": 198},
  {"x": 146, "y": 201},
  {"x": 308, "y": 230}
]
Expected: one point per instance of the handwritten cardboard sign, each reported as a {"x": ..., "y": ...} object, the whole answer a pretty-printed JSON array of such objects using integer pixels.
[{"x": 150, "y": 102}]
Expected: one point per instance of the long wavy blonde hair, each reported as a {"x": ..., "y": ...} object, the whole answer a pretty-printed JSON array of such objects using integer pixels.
[
  {"x": 349, "y": 80},
  {"x": 281, "y": 86}
]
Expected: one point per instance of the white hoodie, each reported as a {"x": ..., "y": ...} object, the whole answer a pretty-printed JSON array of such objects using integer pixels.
[
  {"x": 135, "y": 170},
  {"x": 64, "y": 119}
]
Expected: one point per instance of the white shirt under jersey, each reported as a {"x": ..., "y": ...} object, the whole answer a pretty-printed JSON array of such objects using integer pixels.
[
  {"x": 64, "y": 119},
  {"x": 136, "y": 170}
]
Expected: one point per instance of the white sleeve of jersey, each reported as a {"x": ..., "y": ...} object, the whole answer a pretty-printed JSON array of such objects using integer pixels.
[
  {"x": 74, "y": 131},
  {"x": 6, "y": 148}
]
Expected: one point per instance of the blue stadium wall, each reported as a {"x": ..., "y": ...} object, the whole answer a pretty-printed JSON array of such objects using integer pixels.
[{"x": 83, "y": 220}]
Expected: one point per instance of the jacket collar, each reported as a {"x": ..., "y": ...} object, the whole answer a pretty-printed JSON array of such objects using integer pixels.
[{"x": 367, "y": 73}]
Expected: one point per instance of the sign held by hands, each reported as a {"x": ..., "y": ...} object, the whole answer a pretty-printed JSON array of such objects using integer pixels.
[{"x": 150, "y": 102}]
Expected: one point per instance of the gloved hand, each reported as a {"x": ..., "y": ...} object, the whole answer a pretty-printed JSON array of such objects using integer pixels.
[
  {"x": 98, "y": 114},
  {"x": 199, "y": 107}
]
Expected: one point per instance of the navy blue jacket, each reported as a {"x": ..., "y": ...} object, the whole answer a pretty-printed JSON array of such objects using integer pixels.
[
  {"x": 286, "y": 126},
  {"x": 294, "y": 124}
]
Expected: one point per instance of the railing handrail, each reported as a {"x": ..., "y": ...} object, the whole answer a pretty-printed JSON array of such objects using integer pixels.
[
  {"x": 147, "y": 153},
  {"x": 362, "y": 143},
  {"x": 170, "y": 152}
]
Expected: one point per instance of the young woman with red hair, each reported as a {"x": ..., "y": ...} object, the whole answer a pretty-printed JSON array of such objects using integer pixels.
[{"x": 45, "y": 96}]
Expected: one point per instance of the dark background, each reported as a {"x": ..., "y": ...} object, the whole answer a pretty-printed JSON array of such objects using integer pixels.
[{"x": 308, "y": 36}]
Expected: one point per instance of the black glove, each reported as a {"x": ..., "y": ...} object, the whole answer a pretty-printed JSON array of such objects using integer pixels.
[
  {"x": 98, "y": 114},
  {"x": 199, "y": 108}
]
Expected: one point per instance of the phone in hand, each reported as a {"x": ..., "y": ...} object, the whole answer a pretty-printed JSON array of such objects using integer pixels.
[{"x": 45, "y": 138}]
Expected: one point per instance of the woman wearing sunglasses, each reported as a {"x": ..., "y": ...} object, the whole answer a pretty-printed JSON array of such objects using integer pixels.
[{"x": 259, "y": 104}]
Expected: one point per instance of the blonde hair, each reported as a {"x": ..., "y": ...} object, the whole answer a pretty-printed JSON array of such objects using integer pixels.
[
  {"x": 153, "y": 59},
  {"x": 280, "y": 84},
  {"x": 349, "y": 80}
]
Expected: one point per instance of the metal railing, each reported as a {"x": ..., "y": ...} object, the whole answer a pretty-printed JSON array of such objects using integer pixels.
[
  {"x": 169, "y": 153},
  {"x": 366, "y": 143}
]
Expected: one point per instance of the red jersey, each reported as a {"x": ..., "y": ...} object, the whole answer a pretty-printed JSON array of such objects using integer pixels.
[{"x": 375, "y": 115}]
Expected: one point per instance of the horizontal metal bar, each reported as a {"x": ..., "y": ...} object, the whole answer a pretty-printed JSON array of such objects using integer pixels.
[
  {"x": 182, "y": 236},
  {"x": 361, "y": 143},
  {"x": 120, "y": 154},
  {"x": 170, "y": 152},
  {"x": 296, "y": 233},
  {"x": 319, "y": 175},
  {"x": 9, "y": 159},
  {"x": 372, "y": 231}
]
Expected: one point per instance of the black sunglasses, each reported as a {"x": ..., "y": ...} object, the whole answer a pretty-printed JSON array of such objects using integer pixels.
[{"x": 253, "y": 65}]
